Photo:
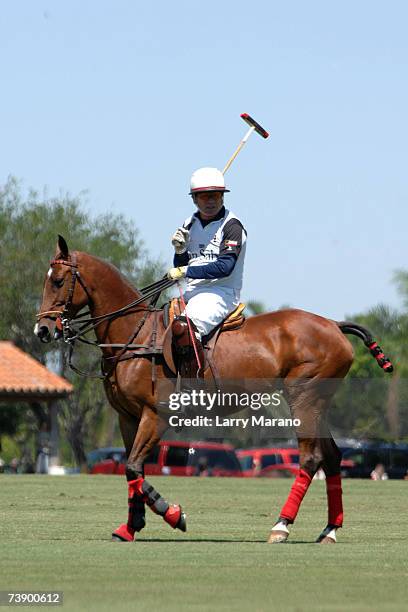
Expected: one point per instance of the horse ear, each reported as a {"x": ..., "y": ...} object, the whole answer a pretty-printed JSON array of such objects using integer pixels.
[{"x": 62, "y": 248}]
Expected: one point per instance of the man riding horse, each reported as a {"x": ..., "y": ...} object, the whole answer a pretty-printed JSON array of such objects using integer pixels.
[
  {"x": 209, "y": 254},
  {"x": 301, "y": 349}
]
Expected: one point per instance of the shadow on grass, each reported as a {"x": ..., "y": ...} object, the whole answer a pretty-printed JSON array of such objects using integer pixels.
[
  {"x": 194, "y": 540},
  {"x": 165, "y": 540},
  {"x": 213, "y": 541},
  {"x": 224, "y": 541}
]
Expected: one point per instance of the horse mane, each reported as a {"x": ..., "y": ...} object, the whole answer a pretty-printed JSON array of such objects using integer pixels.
[{"x": 113, "y": 270}]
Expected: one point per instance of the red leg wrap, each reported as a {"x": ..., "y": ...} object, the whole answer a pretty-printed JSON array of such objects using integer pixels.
[
  {"x": 136, "y": 520},
  {"x": 334, "y": 500},
  {"x": 172, "y": 516},
  {"x": 296, "y": 495},
  {"x": 125, "y": 532},
  {"x": 152, "y": 498},
  {"x": 145, "y": 492},
  {"x": 135, "y": 487},
  {"x": 138, "y": 489}
]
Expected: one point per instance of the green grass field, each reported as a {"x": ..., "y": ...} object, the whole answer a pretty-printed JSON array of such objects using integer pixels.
[{"x": 55, "y": 535}]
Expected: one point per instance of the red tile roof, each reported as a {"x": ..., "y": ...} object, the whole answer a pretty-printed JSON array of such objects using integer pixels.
[{"x": 21, "y": 374}]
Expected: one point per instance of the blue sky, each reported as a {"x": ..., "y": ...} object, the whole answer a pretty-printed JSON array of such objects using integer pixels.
[{"x": 125, "y": 99}]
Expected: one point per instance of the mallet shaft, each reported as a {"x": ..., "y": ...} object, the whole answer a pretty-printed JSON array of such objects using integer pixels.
[{"x": 238, "y": 149}]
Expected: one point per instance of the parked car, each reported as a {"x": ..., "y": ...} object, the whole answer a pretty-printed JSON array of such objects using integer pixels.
[
  {"x": 360, "y": 462},
  {"x": 268, "y": 461},
  {"x": 275, "y": 462},
  {"x": 101, "y": 460},
  {"x": 176, "y": 458}
]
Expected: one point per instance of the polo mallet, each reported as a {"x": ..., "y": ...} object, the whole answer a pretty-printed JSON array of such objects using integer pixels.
[{"x": 254, "y": 127}]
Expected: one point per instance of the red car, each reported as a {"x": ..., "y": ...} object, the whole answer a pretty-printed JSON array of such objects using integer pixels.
[
  {"x": 269, "y": 461},
  {"x": 273, "y": 462},
  {"x": 176, "y": 458}
]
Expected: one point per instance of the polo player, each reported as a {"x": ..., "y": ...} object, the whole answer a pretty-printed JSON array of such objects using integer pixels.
[{"x": 209, "y": 254}]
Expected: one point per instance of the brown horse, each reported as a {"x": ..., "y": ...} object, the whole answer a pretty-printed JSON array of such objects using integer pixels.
[{"x": 291, "y": 345}]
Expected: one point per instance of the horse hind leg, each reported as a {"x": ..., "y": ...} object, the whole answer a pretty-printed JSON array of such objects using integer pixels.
[
  {"x": 331, "y": 467},
  {"x": 310, "y": 460},
  {"x": 308, "y": 407}
]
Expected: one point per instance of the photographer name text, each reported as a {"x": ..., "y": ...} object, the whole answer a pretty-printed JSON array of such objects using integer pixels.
[{"x": 217, "y": 421}]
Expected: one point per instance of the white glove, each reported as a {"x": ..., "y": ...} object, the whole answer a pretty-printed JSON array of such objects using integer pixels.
[
  {"x": 177, "y": 273},
  {"x": 180, "y": 240}
]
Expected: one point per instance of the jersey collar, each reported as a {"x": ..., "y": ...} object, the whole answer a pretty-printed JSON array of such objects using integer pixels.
[{"x": 217, "y": 217}]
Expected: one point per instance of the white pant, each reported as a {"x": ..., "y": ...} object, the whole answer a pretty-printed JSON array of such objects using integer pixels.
[{"x": 208, "y": 307}]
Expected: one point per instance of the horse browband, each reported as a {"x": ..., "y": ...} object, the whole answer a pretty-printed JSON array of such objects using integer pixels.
[{"x": 64, "y": 262}]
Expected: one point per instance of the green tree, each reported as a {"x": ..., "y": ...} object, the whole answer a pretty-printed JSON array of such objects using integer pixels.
[
  {"x": 371, "y": 403},
  {"x": 255, "y": 307},
  {"x": 29, "y": 225},
  {"x": 401, "y": 280}
]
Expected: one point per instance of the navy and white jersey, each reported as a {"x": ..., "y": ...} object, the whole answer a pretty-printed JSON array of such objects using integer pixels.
[{"x": 221, "y": 240}]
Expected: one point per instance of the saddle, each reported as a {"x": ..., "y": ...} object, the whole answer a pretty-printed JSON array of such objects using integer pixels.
[
  {"x": 233, "y": 321},
  {"x": 160, "y": 341}
]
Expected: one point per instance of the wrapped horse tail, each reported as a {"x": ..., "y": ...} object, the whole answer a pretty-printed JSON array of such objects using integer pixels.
[{"x": 363, "y": 333}]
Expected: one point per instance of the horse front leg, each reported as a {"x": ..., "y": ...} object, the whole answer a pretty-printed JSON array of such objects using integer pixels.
[
  {"x": 136, "y": 508},
  {"x": 140, "y": 490}
]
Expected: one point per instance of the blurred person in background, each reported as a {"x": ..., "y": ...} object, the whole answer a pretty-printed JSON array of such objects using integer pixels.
[{"x": 379, "y": 473}]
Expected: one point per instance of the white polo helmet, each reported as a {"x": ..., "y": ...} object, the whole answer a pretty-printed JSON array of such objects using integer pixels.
[{"x": 207, "y": 179}]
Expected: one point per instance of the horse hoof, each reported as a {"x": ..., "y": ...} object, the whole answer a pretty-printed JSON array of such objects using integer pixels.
[
  {"x": 182, "y": 524},
  {"x": 278, "y": 537},
  {"x": 123, "y": 534},
  {"x": 176, "y": 518},
  {"x": 326, "y": 540},
  {"x": 116, "y": 538},
  {"x": 328, "y": 536}
]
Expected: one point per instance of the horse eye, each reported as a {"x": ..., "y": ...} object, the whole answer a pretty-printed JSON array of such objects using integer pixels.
[{"x": 58, "y": 282}]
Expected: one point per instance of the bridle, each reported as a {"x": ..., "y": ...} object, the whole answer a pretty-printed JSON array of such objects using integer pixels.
[
  {"x": 87, "y": 323},
  {"x": 75, "y": 275}
]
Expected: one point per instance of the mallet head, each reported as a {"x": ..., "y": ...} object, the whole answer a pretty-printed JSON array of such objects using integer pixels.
[
  {"x": 254, "y": 127},
  {"x": 252, "y": 123}
]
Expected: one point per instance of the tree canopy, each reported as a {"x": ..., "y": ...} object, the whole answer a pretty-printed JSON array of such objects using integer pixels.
[
  {"x": 369, "y": 404},
  {"x": 29, "y": 226}
]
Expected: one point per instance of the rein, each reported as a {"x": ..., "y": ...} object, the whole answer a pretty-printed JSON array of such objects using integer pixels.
[{"x": 87, "y": 323}]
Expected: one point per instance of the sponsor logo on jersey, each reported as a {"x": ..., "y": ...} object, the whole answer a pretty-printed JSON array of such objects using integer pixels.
[{"x": 207, "y": 255}]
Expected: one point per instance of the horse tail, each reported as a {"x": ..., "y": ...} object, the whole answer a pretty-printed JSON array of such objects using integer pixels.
[{"x": 364, "y": 335}]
